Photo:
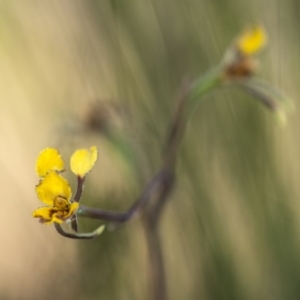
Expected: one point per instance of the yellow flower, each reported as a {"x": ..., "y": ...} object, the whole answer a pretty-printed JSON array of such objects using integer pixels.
[
  {"x": 252, "y": 40},
  {"x": 53, "y": 189}
]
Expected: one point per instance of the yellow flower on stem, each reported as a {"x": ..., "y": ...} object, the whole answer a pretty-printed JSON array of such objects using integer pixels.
[
  {"x": 239, "y": 67},
  {"x": 53, "y": 189},
  {"x": 239, "y": 61}
]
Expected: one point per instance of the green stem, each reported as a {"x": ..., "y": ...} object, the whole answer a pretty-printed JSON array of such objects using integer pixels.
[
  {"x": 204, "y": 84},
  {"x": 189, "y": 99}
]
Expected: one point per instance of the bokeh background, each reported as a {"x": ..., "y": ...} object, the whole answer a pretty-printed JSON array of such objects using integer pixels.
[{"x": 231, "y": 229}]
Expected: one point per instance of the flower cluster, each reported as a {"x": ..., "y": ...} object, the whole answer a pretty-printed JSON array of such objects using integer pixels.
[
  {"x": 53, "y": 189},
  {"x": 239, "y": 59}
]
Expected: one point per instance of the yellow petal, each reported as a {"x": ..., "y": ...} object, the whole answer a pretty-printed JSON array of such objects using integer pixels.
[
  {"x": 48, "y": 159},
  {"x": 83, "y": 160},
  {"x": 45, "y": 214},
  {"x": 49, "y": 215},
  {"x": 53, "y": 185},
  {"x": 252, "y": 40}
]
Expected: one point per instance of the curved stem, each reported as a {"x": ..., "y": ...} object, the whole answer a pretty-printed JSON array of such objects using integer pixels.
[
  {"x": 158, "y": 189},
  {"x": 206, "y": 83},
  {"x": 80, "y": 236},
  {"x": 120, "y": 217}
]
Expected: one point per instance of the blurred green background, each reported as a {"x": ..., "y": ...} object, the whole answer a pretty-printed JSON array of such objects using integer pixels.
[{"x": 231, "y": 229}]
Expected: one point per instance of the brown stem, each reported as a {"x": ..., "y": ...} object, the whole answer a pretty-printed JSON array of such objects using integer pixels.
[
  {"x": 74, "y": 220},
  {"x": 80, "y": 182},
  {"x": 177, "y": 126},
  {"x": 158, "y": 286},
  {"x": 152, "y": 217},
  {"x": 120, "y": 217},
  {"x": 157, "y": 280}
]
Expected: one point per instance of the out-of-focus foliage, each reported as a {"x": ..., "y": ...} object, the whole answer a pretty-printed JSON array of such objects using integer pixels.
[{"x": 231, "y": 229}]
